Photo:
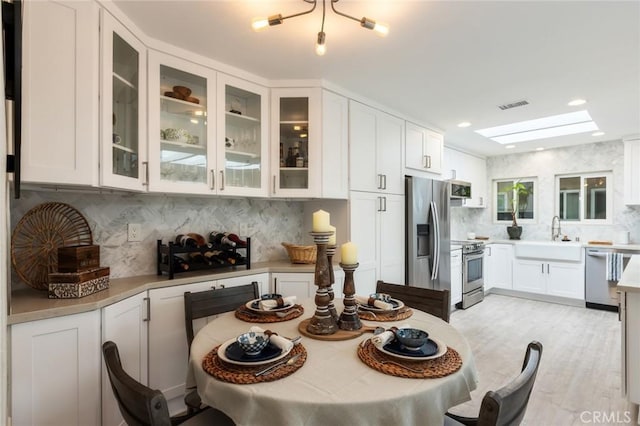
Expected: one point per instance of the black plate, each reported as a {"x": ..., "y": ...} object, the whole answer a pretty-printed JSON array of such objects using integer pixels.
[
  {"x": 428, "y": 349},
  {"x": 372, "y": 307},
  {"x": 256, "y": 305},
  {"x": 234, "y": 352}
]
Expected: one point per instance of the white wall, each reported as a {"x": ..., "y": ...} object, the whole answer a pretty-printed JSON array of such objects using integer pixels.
[{"x": 545, "y": 165}]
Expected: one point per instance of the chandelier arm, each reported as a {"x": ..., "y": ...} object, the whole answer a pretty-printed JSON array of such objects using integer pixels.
[
  {"x": 340, "y": 13},
  {"x": 302, "y": 13}
]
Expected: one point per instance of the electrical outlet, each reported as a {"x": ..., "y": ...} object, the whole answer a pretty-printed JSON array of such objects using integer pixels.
[{"x": 134, "y": 232}]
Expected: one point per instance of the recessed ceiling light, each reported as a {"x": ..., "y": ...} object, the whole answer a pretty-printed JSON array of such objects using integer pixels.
[
  {"x": 464, "y": 124},
  {"x": 541, "y": 128},
  {"x": 597, "y": 134},
  {"x": 539, "y": 148},
  {"x": 510, "y": 146},
  {"x": 577, "y": 102}
]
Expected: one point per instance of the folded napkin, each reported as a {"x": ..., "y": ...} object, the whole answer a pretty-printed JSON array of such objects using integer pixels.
[
  {"x": 269, "y": 304},
  {"x": 283, "y": 343},
  {"x": 379, "y": 340},
  {"x": 370, "y": 301}
]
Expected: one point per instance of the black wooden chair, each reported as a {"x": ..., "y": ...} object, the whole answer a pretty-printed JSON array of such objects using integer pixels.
[
  {"x": 507, "y": 405},
  {"x": 143, "y": 406},
  {"x": 206, "y": 303},
  {"x": 434, "y": 302}
]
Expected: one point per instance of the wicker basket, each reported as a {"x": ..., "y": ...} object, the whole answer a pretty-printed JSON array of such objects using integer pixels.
[{"x": 301, "y": 254}]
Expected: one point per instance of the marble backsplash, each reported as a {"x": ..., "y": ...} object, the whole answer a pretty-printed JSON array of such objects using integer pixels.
[
  {"x": 545, "y": 165},
  {"x": 268, "y": 222}
]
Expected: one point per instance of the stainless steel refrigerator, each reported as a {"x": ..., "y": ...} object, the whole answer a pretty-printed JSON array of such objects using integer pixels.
[{"x": 428, "y": 245}]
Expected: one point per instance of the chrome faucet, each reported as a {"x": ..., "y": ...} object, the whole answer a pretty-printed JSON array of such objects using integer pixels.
[{"x": 555, "y": 232}]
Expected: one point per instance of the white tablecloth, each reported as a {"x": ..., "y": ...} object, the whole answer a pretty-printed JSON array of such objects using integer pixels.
[{"x": 334, "y": 387}]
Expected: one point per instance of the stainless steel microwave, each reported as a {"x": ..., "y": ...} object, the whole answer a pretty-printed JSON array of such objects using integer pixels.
[{"x": 460, "y": 189}]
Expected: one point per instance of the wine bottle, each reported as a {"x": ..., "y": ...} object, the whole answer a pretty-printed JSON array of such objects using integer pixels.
[
  {"x": 197, "y": 257},
  {"x": 213, "y": 258},
  {"x": 179, "y": 263},
  {"x": 291, "y": 160},
  {"x": 236, "y": 239},
  {"x": 221, "y": 239},
  {"x": 200, "y": 241},
  {"x": 186, "y": 241},
  {"x": 220, "y": 256}
]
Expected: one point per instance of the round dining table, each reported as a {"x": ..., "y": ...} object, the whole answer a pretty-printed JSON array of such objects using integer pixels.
[{"x": 334, "y": 386}]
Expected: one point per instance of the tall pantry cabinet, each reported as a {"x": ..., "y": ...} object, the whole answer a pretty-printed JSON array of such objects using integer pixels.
[{"x": 376, "y": 203}]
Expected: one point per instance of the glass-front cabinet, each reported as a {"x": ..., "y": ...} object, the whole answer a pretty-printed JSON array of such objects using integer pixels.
[
  {"x": 181, "y": 134},
  {"x": 295, "y": 137},
  {"x": 123, "y": 143},
  {"x": 243, "y": 146}
]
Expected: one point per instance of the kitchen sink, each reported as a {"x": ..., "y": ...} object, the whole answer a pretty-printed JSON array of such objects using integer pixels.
[{"x": 549, "y": 250}]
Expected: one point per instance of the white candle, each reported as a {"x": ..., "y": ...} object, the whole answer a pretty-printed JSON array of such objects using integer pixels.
[
  {"x": 321, "y": 221},
  {"x": 349, "y": 253},
  {"x": 332, "y": 238}
]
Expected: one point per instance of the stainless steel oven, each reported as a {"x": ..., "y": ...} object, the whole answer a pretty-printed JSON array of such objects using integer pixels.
[{"x": 472, "y": 273}]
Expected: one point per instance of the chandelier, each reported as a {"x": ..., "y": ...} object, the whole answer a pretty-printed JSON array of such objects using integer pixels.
[{"x": 262, "y": 23}]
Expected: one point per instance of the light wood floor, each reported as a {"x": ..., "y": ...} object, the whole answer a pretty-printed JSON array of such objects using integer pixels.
[{"x": 580, "y": 369}]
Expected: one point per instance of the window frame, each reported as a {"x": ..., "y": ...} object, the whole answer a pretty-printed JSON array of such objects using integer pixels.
[
  {"x": 496, "y": 195},
  {"x": 609, "y": 193}
]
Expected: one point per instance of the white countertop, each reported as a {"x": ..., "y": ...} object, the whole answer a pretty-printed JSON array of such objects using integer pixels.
[
  {"x": 584, "y": 243},
  {"x": 631, "y": 276}
]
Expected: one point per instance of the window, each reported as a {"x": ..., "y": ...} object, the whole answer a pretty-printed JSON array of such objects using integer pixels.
[
  {"x": 584, "y": 198},
  {"x": 507, "y": 197}
]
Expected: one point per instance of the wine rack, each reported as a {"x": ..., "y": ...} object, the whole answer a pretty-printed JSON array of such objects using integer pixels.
[{"x": 167, "y": 251}]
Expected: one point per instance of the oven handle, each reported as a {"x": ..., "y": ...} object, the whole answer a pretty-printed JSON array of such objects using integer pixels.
[
  {"x": 604, "y": 254},
  {"x": 436, "y": 251}
]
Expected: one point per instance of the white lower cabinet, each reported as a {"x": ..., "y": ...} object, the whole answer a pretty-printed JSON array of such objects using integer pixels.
[
  {"x": 125, "y": 323},
  {"x": 168, "y": 352},
  {"x": 564, "y": 279},
  {"x": 456, "y": 277},
  {"x": 302, "y": 285},
  {"x": 498, "y": 260},
  {"x": 55, "y": 371},
  {"x": 630, "y": 318}
]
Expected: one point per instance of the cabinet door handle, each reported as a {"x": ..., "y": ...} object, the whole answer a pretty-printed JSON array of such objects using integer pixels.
[
  {"x": 379, "y": 204},
  {"x": 222, "y": 286},
  {"x": 148, "y": 316},
  {"x": 542, "y": 264},
  {"x": 213, "y": 180},
  {"x": 221, "y": 180},
  {"x": 275, "y": 285},
  {"x": 547, "y": 269},
  {"x": 385, "y": 204},
  {"x": 427, "y": 161},
  {"x": 384, "y": 179},
  {"x": 274, "y": 184},
  {"x": 379, "y": 181},
  {"x": 482, "y": 201},
  {"x": 145, "y": 164}
]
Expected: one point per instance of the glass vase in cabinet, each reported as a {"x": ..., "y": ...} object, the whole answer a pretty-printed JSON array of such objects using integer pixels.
[
  {"x": 123, "y": 136},
  {"x": 242, "y": 137},
  {"x": 181, "y": 136},
  {"x": 296, "y": 135}
]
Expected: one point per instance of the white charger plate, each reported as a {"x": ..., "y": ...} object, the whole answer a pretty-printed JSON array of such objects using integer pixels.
[
  {"x": 223, "y": 356},
  {"x": 251, "y": 302},
  {"x": 442, "y": 349},
  {"x": 380, "y": 310}
]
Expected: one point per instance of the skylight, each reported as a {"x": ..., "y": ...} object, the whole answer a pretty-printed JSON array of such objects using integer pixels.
[{"x": 541, "y": 128}]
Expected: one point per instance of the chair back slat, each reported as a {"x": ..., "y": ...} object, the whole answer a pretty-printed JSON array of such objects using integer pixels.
[
  {"x": 434, "y": 302},
  {"x": 206, "y": 303},
  {"x": 507, "y": 405},
  {"x": 139, "y": 405}
]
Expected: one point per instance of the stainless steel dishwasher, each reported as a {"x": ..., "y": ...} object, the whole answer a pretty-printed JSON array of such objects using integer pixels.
[{"x": 599, "y": 292}]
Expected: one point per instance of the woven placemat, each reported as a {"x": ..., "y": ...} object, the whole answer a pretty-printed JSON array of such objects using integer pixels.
[
  {"x": 400, "y": 314},
  {"x": 245, "y": 375},
  {"x": 447, "y": 364},
  {"x": 244, "y": 314}
]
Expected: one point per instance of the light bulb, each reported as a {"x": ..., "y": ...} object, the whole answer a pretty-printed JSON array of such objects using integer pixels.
[
  {"x": 381, "y": 29},
  {"x": 259, "y": 24},
  {"x": 321, "y": 47}
]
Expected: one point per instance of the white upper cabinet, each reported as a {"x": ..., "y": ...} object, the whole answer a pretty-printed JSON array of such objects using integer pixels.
[
  {"x": 423, "y": 150},
  {"x": 295, "y": 142},
  {"x": 60, "y": 92},
  {"x": 123, "y": 138},
  {"x": 469, "y": 168},
  {"x": 335, "y": 146},
  {"x": 375, "y": 150},
  {"x": 632, "y": 171},
  {"x": 182, "y": 149},
  {"x": 243, "y": 138}
]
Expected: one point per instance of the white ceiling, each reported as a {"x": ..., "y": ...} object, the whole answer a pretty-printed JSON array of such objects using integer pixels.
[{"x": 443, "y": 62}]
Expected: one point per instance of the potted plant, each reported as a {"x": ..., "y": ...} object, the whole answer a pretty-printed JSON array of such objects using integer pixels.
[{"x": 519, "y": 201}]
